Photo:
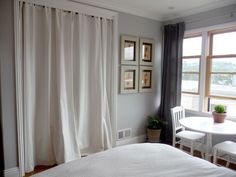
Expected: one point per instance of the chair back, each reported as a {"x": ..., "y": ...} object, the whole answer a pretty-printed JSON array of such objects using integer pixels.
[{"x": 177, "y": 113}]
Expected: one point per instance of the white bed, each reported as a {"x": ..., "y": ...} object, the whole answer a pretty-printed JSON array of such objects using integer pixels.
[{"x": 139, "y": 160}]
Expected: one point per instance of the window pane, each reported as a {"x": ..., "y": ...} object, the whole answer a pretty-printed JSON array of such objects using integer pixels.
[
  {"x": 224, "y": 65},
  {"x": 224, "y": 43},
  {"x": 189, "y": 101},
  {"x": 223, "y": 85},
  {"x": 190, "y": 82},
  {"x": 191, "y": 65},
  {"x": 192, "y": 46},
  {"x": 229, "y": 104}
]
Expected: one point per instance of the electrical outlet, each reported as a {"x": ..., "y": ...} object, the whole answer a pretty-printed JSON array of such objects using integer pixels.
[
  {"x": 127, "y": 133},
  {"x": 120, "y": 134},
  {"x": 124, "y": 133}
]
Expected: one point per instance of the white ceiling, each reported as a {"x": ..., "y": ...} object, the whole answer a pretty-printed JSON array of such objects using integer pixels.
[{"x": 160, "y": 9}]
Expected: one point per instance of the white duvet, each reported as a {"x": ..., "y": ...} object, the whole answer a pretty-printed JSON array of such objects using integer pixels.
[{"x": 139, "y": 160}]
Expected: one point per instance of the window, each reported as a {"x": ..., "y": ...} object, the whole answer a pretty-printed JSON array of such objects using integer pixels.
[
  {"x": 216, "y": 84},
  {"x": 191, "y": 72},
  {"x": 221, "y": 85}
]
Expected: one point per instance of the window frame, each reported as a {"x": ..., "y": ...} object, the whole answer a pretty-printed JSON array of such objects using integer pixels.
[
  {"x": 198, "y": 93},
  {"x": 209, "y": 59},
  {"x": 202, "y": 111},
  {"x": 193, "y": 72},
  {"x": 193, "y": 57}
]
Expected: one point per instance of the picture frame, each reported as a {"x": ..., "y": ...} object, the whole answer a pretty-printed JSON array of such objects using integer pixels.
[
  {"x": 147, "y": 51},
  {"x": 129, "y": 50},
  {"x": 129, "y": 79},
  {"x": 145, "y": 79}
]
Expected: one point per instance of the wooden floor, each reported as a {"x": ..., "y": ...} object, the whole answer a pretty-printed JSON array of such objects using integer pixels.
[
  {"x": 39, "y": 169},
  {"x": 219, "y": 161},
  {"x": 196, "y": 154}
]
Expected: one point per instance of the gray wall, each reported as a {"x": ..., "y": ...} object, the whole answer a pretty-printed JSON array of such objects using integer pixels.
[
  {"x": 134, "y": 108},
  {"x": 210, "y": 18},
  {"x": 8, "y": 82}
]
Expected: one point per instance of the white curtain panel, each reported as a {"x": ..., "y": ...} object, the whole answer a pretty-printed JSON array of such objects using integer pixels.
[{"x": 66, "y": 64}]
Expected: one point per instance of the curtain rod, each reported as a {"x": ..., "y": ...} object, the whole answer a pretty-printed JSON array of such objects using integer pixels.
[
  {"x": 68, "y": 11},
  {"x": 74, "y": 6},
  {"x": 43, "y": 6}
]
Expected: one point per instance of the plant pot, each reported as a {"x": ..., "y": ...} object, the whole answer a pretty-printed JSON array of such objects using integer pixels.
[
  {"x": 153, "y": 135},
  {"x": 219, "y": 117}
]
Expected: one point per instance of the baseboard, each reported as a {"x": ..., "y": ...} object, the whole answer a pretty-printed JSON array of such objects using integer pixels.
[
  {"x": 12, "y": 172},
  {"x": 136, "y": 139}
]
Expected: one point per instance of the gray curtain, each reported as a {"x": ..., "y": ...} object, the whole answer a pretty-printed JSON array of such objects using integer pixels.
[
  {"x": 1, "y": 146},
  {"x": 171, "y": 75},
  {"x": 1, "y": 138}
]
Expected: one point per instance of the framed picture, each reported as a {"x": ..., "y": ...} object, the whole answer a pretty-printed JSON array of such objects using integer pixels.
[
  {"x": 129, "y": 79},
  {"x": 145, "y": 79},
  {"x": 146, "y": 51},
  {"x": 129, "y": 50}
]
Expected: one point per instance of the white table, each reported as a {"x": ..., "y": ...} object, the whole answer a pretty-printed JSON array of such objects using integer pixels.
[{"x": 207, "y": 125}]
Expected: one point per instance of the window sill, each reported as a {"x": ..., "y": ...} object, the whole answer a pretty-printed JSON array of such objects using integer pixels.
[{"x": 207, "y": 114}]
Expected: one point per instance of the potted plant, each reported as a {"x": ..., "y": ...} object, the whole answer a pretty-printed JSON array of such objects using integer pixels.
[
  {"x": 154, "y": 129},
  {"x": 219, "y": 113}
]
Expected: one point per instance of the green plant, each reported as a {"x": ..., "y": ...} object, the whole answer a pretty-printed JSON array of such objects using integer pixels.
[
  {"x": 154, "y": 122},
  {"x": 219, "y": 108}
]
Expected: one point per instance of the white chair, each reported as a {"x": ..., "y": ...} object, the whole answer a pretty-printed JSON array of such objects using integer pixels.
[
  {"x": 193, "y": 140},
  {"x": 226, "y": 151}
]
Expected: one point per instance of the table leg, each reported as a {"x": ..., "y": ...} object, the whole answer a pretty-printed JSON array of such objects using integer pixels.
[{"x": 208, "y": 147}]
